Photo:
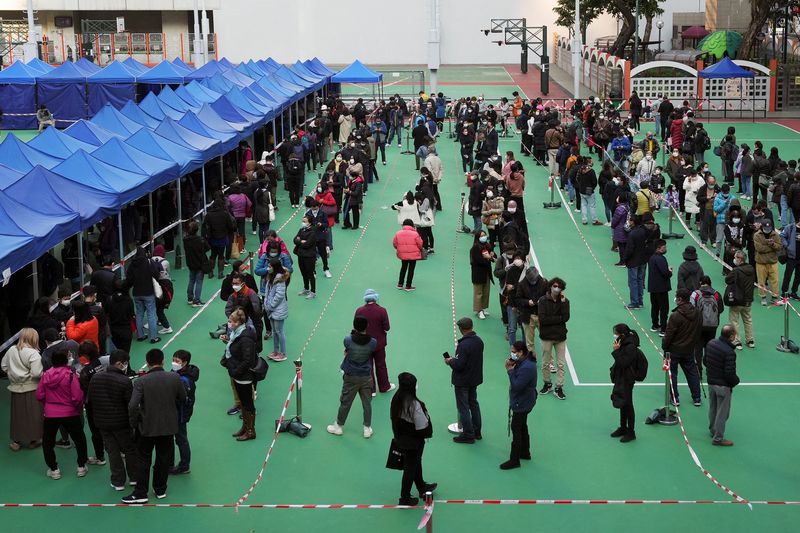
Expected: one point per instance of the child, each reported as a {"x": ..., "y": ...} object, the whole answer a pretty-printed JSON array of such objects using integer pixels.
[
  {"x": 657, "y": 186},
  {"x": 189, "y": 374},
  {"x": 658, "y": 285}
]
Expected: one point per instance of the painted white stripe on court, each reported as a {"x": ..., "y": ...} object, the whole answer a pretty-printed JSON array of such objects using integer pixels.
[{"x": 753, "y": 384}]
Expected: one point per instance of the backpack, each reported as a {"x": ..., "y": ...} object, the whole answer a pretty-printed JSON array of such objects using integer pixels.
[
  {"x": 709, "y": 309},
  {"x": 706, "y": 142},
  {"x": 295, "y": 166},
  {"x": 639, "y": 366},
  {"x": 167, "y": 291}
]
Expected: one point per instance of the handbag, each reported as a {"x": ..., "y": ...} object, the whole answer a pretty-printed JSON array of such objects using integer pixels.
[
  {"x": 260, "y": 370},
  {"x": 732, "y": 296},
  {"x": 271, "y": 208},
  {"x": 158, "y": 292},
  {"x": 236, "y": 247},
  {"x": 395, "y": 459},
  {"x": 782, "y": 255},
  {"x": 330, "y": 209}
]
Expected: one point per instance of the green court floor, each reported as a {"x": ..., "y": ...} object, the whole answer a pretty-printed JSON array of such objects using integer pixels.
[
  {"x": 24, "y": 135},
  {"x": 573, "y": 457}
]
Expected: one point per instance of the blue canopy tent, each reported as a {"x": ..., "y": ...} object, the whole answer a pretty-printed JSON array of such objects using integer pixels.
[
  {"x": 235, "y": 115},
  {"x": 112, "y": 120},
  {"x": 157, "y": 109},
  {"x": 135, "y": 67},
  {"x": 63, "y": 91},
  {"x": 216, "y": 129},
  {"x": 270, "y": 85},
  {"x": 726, "y": 69},
  {"x": 217, "y": 83},
  {"x": 8, "y": 176},
  {"x": 63, "y": 222},
  {"x": 303, "y": 71},
  {"x": 18, "y": 155},
  {"x": 165, "y": 73},
  {"x": 198, "y": 92},
  {"x": 39, "y": 65},
  {"x": 135, "y": 113},
  {"x": 58, "y": 144},
  {"x": 266, "y": 67},
  {"x": 18, "y": 97},
  {"x": 272, "y": 63},
  {"x": 215, "y": 68},
  {"x": 226, "y": 63},
  {"x": 115, "y": 85},
  {"x": 86, "y": 66},
  {"x": 211, "y": 118},
  {"x": 284, "y": 77},
  {"x": 43, "y": 186},
  {"x": 168, "y": 97},
  {"x": 188, "y": 159},
  {"x": 183, "y": 136},
  {"x": 257, "y": 93},
  {"x": 289, "y": 75},
  {"x": 178, "y": 62},
  {"x": 91, "y": 133},
  {"x": 206, "y": 71},
  {"x": 357, "y": 73},
  {"x": 318, "y": 66},
  {"x": 238, "y": 99},
  {"x": 121, "y": 155},
  {"x": 85, "y": 168},
  {"x": 249, "y": 71}
]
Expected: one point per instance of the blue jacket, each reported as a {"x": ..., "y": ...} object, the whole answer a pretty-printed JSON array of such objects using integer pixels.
[
  {"x": 275, "y": 303},
  {"x": 467, "y": 365},
  {"x": 722, "y": 205},
  {"x": 358, "y": 350},
  {"x": 262, "y": 269},
  {"x": 522, "y": 391},
  {"x": 659, "y": 274},
  {"x": 789, "y": 240},
  {"x": 620, "y": 148},
  {"x": 441, "y": 107}
]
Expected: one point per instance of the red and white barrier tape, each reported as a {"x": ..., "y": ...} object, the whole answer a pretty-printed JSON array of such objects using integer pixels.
[
  {"x": 302, "y": 352},
  {"x": 644, "y": 330},
  {"x": 612, "y": 502},
  {"x": 219, "y": 505}
]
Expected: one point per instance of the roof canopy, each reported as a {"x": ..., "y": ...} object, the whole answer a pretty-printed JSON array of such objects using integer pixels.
[
  {"x": 725, "y": 69},
  {"x": 357, "y": 73}
]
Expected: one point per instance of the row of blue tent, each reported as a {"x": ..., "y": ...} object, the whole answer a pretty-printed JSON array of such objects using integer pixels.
[
  {"x": 64, "y": 181},
  {"x": 75, "y": 91}
]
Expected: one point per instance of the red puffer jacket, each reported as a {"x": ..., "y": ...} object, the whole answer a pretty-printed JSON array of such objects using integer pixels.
[
  {"x": 408, "y": 244},
  {"x": 676, "y": 134}
]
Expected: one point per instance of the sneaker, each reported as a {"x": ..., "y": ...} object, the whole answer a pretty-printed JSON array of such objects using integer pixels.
[
  {"x": 161, "y": 496},
  {"x": 190, "y": 301},
  {"x": 794, "y": 296},
  {"x": 392, "y": 386},
  {"x": 156, "y": 340},
  {"x": 410, "y": 289},
  {"x": 608, "y": 225},
  {"x": 335, "y": 429},
  {"x": 311, "y": 295},
  {"x": 486, "y": 312},
  {"x": 751, "y": 344},
  {"x": 547, "y": 388},
  {"x": 118, "y": 488},
  {"x": 431, "y": 251},
  {"x": 95, "y": 461},
  {"x": 328, "y": 274},
  {"x": 267, "y": 335},
  {"x": 277, "y": 357},
  {"x": 739, "y": 346},
  {"x": 82, "y": 471},
  {"x": 64, "y": 444},
  {"x": 654, "y": 328},
  {"x": 54, "y": 474},
  {"x": 235, "y": 410},
  {"x": 619, "y": 432},
  {"x": 598, "y": 223},
  {"x": 629, "y": 436},
  {"x": 198, "y": 303},
  {"x": 722, "y": 442},
  {"x": 367, "y": 432},
  {"x": 399, "y": 286},
  {"x": 662, "y": 333},
  {"x": 461, "y": 439},
  {"x": 481, "y": 315},
  {"x": 15, "y": 446},
  {"x": 374, "y": 394},
  {"x": 763, "y": 301},
  {"x": 509, "y": 465},
  {"x": 552, "y": 368},
  {"x": 559, "y": 393},
  {"x": 410, "y": 502},
  {"x": 302, "y": 293},
  {"x": 254, "y": 233},
  {"x": 631, "y": 307},
  {"x": 697, "y": 402}
]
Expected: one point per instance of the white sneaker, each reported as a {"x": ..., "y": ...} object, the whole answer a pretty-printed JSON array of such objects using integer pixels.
[
  {"x": 82, "y": 471},
  {"x": 374, "y": 394},
  {"x": 95, "y": 461},
  {"x": 302, "y": 293},
  {"x": 486, "y": 312},
  {"x": 552, "y": 368},
  {"x": 254, "y": 232},
  {"x": 328, "y": 274},
  {"x": 311, "y": 295},
  {"x": 54, "y": 474},
  {"x": 255, "y": 395},
  {"x": 335, "y": 429},
  {"x": 164, "y": 331},
  {"x": 118, "y": 489},
  {"x": 367, "y": 432},
  {"x": 481, "y": 315},
  {"x": 392, "y": 386}
]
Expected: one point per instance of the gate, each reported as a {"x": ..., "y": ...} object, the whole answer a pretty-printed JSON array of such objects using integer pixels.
[{"x": 788, "y": 87}]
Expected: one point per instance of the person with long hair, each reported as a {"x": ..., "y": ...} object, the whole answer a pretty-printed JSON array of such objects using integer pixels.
[
  {"x": 481, "y": 260},
  {"x": 305, "y": 248},
  {"x": 625, "y": 348},
  {"x": 522, "y": 375},
  {"x": 83, "y": 326},
  {"x": 23, "y": 365},
  {"x": 240, "y": 356},
  {"x": 276, "y": 306},
  {"x": 411, "y": 425}
]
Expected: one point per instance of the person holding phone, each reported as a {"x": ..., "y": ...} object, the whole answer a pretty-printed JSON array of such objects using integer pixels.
[
  {"x": 522, "y": 375},
  {"x": 467, "y": 374}
]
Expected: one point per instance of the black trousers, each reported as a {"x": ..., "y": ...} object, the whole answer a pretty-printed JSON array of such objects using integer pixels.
[
  {"x": 412, "y": 472},
  {"x": 706, "y": 336},
  {"x": 627, "y": 414},
  {"x": 407, "y": 266},
  {"x": 659, "y": 308},
  {"x": 322, "y": 245},
  {"x": 97, "y": 436},
  {"x": 520, "y": 438},
  {"x": 245, "y": 393},
  {"x": 426, "y": 233},
  {"x": 792, "y": 267},
  {"x": 164, "y": 446},
  {"x": 118, "y": 442},
  {"x": 307, "y": 265},
  {"x": 436, "y": 196},
  {"x": 74, "y": 427}
]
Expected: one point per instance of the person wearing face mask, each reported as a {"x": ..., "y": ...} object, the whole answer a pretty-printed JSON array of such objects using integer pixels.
[
  {"x": 625, "y": 350},
  {"x": 734, "y": 236},
  {"x": 553, "y": 318},
  {"x": 354, "y": 198},
  {"x": 190, "y": 374},
  {"x": 789, "y": 237},
  {"x": 722, "y": 204},
  {"x": 515, "y": 272},
  {"x": 522, "y": 376},
  {"x": 767, "y": 245},
  {"x": 324, "y": 196},
  {"x": 650, "y": 144},
  {"x": 345, "y": 122},
  {"x": 62, "y": 312},
  {"x": 481, "y": 259},
  {"x": 738, "y": 296},
  {"x": 319, "y": 222},
  {"x": 305, "y": 248},
  {"x": 621, "y": 150},
  {"x": 491, "y": 213},
  {"x": 691, "y": 186},
  {"x": 530, "y": 289},
  {"x": 587, "y": 183},
  {"x": 679, "y": 343},
  {"x": 240, "y": 356},
  {"x": 706, "y": 196},
  {"x": 110, "y": 393},
  {"x": 511, "y": 233},
  {"x": 646, "y": 167}
]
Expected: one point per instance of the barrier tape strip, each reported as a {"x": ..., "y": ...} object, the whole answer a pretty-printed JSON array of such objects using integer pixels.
[
  {"x": 313, "y": 331},
  {"x": 692, "y": 452},
  {"x": 220, "y": 505},
  {"x": 613, "y": 502}
]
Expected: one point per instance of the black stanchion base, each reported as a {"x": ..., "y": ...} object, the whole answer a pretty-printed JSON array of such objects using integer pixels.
[
  {"x": 672, "y": 235},
  {"x": 294, "y": 426},
  {"x": 787, "y": 346},
  {"x": 406, "y": 152},
  {"x": 552, "y": 205},
  {"x": 464, "y": 229},
  {"x": 666, "y": 417}
]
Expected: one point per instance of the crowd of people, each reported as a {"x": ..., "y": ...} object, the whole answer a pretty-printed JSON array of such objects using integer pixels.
[{"x": 71, "y": 363}]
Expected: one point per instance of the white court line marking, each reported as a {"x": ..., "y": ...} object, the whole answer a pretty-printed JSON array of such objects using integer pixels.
[{"x": 754, "y": 384}]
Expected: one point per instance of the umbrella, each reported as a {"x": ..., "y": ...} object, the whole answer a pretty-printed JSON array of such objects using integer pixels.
[
  {"x": 695, "y": 32},
  {"x": 720, "y": 42}
]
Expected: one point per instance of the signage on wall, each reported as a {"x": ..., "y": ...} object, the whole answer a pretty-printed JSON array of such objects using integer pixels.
[{"x": 120, "y": 24}]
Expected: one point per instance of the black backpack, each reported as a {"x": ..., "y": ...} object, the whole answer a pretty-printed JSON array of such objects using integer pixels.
[
  {"x": 295, "y": 166},
  {"x": 639, "y": 366}
]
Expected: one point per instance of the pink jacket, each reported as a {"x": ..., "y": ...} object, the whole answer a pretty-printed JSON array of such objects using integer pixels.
[
  {"x": 408, "y": 244},
  {"x": 60, "y": 393},
  {"x": 240, "y": 205}
]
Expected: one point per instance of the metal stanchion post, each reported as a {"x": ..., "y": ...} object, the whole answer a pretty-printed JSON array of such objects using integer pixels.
[
  {"x": 786, "y": 345},
  {"x": 462, "y": 228},
  {"x": 670, "y": 234},
  {"x": 429, "y": 505},
  {"x": 552, "y": 204},
  {"x": 666, "y": 418},
  {"x": 408, "y": 137},
  {"x": 178, "y": 258}
]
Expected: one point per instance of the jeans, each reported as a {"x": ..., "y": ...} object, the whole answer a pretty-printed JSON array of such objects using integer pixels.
[
  {"x": 747, "y": 185},
  {"x": 477, "y": 223},
  {"x": 513, "y": 318},
  {"x": 117, "y": 443},
  {"x": 74, "y": 427},
  {"x": 469, "y": 411},
  {"x": 182, "y": 442},
  {"x": 407, "y": 266},
  {"x": 588, "y": 206},
  {"x": 719, "y": 408},
  {"x": 165, "y": 453},
  {"x": 699, "y": 158},
  {"x": 636, "y": 284},
  {"x": 148, "y": 304},
  {"x": 195, "y": 288},
  {"x": 689, "y": 366},
  {"x": 395, "y": 130},
  {"x": 352, "y": 385},
  {"x": 278, "y": 336},
  {"x": 520, "y": 438}
]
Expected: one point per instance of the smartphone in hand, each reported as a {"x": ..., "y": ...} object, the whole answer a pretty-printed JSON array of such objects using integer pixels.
[{"x": 446, "y": 355}]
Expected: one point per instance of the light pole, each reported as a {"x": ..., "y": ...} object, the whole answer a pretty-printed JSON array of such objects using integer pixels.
[
  {"x": 576, "y": 53},
  {"x": 659, "y": 25},
  {"x": 636, "y": 37}
]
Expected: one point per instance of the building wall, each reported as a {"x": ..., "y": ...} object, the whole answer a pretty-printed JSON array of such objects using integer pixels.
[{"x": 727, "y": 15}]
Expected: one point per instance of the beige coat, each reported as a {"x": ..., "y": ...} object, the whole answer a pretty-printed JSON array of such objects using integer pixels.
[
  {"x": 345, "y": 126},
  {"x": 24, "y": 369}
]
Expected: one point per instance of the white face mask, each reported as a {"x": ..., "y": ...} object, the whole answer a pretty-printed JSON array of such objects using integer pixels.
[
  {"x": 675, "y": 154},
  {"x": 124, "y": 368},
  {"x": 512, "y": 210},
  {"x": 176, "y": 366},
  {"x": 338, "y": 158},
  {"x": 514, "y": 356},
  {"x": 483, "y": 239},
  {"x": 319, "y": 189},
  {"x": 736, "y": 220},
  {"x": 65, "y": 301},
  {"x": 489, "y": 194},
  {"x": 556, "y": 291},
  {"x": 518, "y": 262},
  {"x": 237, "y": 288}
]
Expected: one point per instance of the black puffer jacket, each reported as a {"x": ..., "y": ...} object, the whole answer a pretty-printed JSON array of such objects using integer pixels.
[
  {"x": 720, "y": 361},
  {"x": 243, "y": 356},
  {"x": 622, "y": 370},
  {"x": 553, "y": 318},
  {"x": 683, "y": 329},
  {"x": 218, "y": 223},
  {"x": 109, "y": 395}
]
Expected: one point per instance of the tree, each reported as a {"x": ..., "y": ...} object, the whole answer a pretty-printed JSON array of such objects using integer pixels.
[
  {"x": 760, "y": 12},
  {"x": 590, "y": 10}
]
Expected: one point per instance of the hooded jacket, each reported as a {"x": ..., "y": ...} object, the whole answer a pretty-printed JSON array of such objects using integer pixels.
[
  {"x": 683, "y": 329},
  {"x": 408, "y": 244},
  {"x": 522, "y": 386},
  {"x": 190, "y": 375},
  {"x": 621, "y": 371},
  {"x": 690, "y": 271},
  {"x": 530, "y": 288},
  {"x": 110, "y": 393},
  {"x": 60, "y": 393},
  {"x": 358, "y": 350}
]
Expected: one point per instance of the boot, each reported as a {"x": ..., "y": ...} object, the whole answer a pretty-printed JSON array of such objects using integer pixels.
[
  {"x": 242, "y": 430},
  {"x": 250, "y": 426}
]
